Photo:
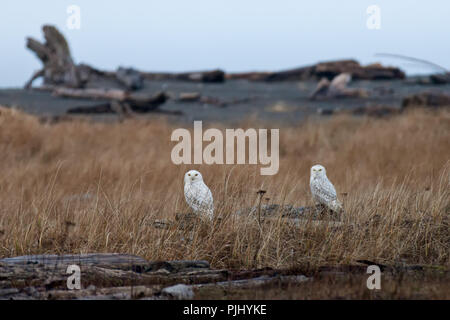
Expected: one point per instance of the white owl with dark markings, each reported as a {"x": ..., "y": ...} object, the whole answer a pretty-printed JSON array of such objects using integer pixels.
[
  {"x": 197, "y": 194},
  {"x": 322, "y": 189}
]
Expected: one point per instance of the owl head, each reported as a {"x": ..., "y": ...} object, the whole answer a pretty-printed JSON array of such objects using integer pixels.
[
  {"x": 318, "y": 171},
  {"x": 192, "y": 176}
]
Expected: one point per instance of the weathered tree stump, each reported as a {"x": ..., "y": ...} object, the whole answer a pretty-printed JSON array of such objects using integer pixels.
[{"x": 59, "y": 68}]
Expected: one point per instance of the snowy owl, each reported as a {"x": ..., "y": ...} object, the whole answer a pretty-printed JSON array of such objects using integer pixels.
[
  {"x": 197, "y": 194},
  {"x": 322, "y": 189}
]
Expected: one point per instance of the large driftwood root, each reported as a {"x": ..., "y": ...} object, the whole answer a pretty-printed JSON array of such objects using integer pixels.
[{"x": 60, "y": 70}]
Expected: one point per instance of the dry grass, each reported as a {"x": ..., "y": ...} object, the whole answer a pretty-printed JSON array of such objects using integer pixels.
[{"x": 98, "y": 187}]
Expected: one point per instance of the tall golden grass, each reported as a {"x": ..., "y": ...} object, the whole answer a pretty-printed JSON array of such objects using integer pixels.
[{"x": 83, "y": 187}]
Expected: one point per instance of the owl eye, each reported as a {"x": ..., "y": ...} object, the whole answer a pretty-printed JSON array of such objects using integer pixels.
[
  {"x": 189, "y": 174},
  {"x": 196, "y": 174},
  {"x": 320, "y": 169}
]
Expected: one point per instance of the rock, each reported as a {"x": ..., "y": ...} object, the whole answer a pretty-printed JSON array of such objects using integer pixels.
[
  {"x": 178, "y": 292},
  {"x": 426, "y": 99}
]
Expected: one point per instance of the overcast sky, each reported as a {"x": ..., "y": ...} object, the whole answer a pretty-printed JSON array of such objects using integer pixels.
[{"x": 234, "y": 35}]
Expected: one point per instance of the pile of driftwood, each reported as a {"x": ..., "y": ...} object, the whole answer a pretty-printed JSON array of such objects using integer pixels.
[
  {"x": 59, "y": 68},
  {"x": 122, "y": 276},
  {"x": 120, "y": 91},
  {"x": 327, "y": 70},
  {"x": 65, "y": 78},
  {"x": 117, "y": 89}
]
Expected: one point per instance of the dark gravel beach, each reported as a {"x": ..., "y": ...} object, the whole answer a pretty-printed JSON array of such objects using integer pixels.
[{"x": 234, "y": 100}]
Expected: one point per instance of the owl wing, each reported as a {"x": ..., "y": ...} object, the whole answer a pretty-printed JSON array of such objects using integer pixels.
[
  {"x": 191, "y": 197},
  {"x": 323, "y": 191},
  {"x": 209, "y": 202},
  {"x": 199, "y": 198}
]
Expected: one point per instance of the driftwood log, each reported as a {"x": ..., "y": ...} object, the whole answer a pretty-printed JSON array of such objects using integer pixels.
[
  {"x": 440, "y": 78},
  {"x": 112, "y": 259},
  {"x": 196, "y": 97},
  {"x": 327, "y": 70},
  {"x": 214, "y": 76},
  {"x": 121, "y": 102}
]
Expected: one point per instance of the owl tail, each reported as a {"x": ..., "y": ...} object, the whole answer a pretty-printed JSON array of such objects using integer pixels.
[{"x": 336, "y": 206}]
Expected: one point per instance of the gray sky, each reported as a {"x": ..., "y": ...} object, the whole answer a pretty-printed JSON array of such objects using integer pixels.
[{"x": 234, "y": 35}]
